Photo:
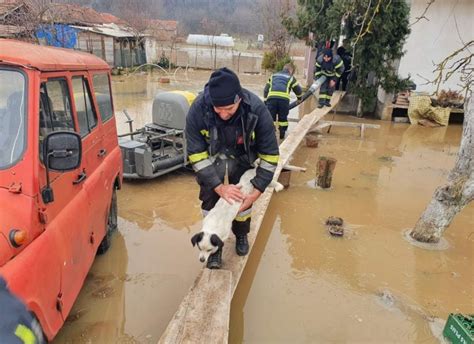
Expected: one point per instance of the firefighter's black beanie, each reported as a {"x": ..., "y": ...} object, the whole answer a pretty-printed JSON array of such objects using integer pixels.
[
  {"x": 327, "y": 52},
  {"x": 224, "y": 87}
]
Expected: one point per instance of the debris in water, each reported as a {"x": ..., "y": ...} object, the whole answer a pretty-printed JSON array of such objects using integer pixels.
[
  {"x": 335, "y": 225},
  {"x": 386, "y": 158}
]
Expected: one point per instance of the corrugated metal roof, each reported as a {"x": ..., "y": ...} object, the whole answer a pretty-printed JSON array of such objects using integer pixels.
[{"x": 111, "y": 29}]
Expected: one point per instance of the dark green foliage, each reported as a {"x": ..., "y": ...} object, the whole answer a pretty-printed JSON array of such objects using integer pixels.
[
  {"x": 311, "y": 16},
  {"x": 269, "y": 60},
  {"x": 274, "y": 64},
  {"x": 282, "y": 62},
  {"x": 377, "y": 30},
  {"x": 164, "y": 62}
]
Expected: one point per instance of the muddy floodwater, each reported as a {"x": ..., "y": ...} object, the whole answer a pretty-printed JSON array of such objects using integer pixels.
[{"x": 301, "y": 285}]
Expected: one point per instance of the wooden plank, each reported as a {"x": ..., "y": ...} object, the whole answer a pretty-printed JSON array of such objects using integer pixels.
[
  {"x": 204, "y": 305},
  {"x": 348, "y": 124},
  {"x": 294, "y": 168},
  {"x": 209, "y": 298}
]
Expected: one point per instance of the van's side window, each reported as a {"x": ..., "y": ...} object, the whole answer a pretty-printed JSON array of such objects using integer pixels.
[
  {"x": 86, "y": 115},
  {"x": 55, "y": 108},
  {"x": 103, "y": 96}
]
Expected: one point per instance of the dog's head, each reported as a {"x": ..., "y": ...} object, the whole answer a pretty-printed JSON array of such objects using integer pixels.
[{"x": 207, "y": 244}]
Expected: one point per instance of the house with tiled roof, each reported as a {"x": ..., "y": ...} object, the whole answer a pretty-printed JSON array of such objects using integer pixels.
[{"x": 83, "y": 28}]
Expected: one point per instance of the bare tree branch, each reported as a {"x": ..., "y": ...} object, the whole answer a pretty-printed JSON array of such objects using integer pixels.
[
  {"x": 458, "y": 63},
  {"x": 417, "y": 19}
]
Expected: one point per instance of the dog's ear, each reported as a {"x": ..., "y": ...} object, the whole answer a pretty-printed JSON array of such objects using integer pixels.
[
  {"x": 216, "y": 241},
  {"x": 196, "y": 238}
]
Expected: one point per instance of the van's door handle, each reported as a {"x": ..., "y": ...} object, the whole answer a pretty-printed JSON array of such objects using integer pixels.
[
  {"x": 80, "y": 178},
  {"x": 102, "y": 153}
]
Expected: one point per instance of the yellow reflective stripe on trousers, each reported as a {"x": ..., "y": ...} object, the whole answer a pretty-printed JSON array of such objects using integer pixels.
[
  {"x": 202, "y": 164},
  {"x": 270, "y": 158},
  {"x": 278, "y": 94},
  {"x": 25, "y": 334},
  {"x": 244, "y": 215},
  {"x": 324, "y": 96},
  {"x": 283, "y": 124},
  {"x": 193, "y": 158}
]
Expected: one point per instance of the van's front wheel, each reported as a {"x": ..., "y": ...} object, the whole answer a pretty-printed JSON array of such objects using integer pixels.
[{"x": 111, "y": 225}]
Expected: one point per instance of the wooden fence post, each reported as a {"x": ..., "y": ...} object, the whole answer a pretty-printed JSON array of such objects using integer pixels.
[{"x": 325, "y": 169}]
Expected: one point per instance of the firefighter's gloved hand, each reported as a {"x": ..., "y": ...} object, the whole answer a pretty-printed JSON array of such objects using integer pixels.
[
  {"x": 17, "y": 324},
  {"x": 231, "y": 193}
]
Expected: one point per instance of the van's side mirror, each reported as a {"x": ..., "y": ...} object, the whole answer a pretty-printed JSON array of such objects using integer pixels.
[{"x": 62, "y": 151}]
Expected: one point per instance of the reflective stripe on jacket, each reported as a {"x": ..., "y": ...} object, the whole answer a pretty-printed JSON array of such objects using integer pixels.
[
  {"x": 259, "y": 139},
  {"x": 280, "y": 85}
]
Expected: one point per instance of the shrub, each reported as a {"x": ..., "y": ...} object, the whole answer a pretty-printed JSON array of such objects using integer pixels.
[{"x": 272, "y": 63}]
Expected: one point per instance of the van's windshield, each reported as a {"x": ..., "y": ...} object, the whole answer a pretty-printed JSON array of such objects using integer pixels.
[{"x": 12, "y": 116}]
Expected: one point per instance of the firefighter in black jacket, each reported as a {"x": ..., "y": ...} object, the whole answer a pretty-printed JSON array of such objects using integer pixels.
[
  {"x": 277, "y": 96},
  {"x": 228, "y": 128},
  {"x": 332, "y": 68}
]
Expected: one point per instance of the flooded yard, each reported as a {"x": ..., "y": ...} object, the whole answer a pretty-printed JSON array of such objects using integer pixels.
[{"x": 301, "y": 285}]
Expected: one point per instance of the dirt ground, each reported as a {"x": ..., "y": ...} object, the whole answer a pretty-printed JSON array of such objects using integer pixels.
[{"x": 301, "y": 285}]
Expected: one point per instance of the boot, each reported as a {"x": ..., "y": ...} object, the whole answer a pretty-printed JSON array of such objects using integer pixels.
[
  {"x": 327, "y": 103},
  {"x": 215, "y": 260},
  {"x": 321, "y": 105},
  {"x": 282, "y": 134},
  {"x": 241, "y": 244}
]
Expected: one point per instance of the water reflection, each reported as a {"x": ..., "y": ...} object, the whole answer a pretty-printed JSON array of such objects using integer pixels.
[
  {"x": 372, "y": 285},
  {"x": 171, "y": 199},
  {"x": 103, "y": 319}
]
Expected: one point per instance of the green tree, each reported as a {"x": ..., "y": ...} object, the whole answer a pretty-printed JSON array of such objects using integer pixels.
[{"x": 377, "y": 30}]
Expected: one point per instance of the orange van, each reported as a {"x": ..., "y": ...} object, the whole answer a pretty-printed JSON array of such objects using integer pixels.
[{"x": 60, "y": 167}]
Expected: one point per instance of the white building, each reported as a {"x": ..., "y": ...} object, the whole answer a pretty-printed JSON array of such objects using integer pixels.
[{"x": 449, "y": 26}]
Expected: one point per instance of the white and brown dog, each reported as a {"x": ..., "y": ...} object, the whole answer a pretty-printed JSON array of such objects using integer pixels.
[{"x": 217, "y": 225}]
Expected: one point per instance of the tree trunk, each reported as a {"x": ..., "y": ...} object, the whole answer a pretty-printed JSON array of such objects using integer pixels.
[{"x": 452, "y": 197}]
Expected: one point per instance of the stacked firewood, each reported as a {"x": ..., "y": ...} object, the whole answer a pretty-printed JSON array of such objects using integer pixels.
[{"x": 401, "y": 98}]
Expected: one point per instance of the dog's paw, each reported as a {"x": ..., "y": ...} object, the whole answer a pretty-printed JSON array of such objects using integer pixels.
[{"x": 277, "y": 186}]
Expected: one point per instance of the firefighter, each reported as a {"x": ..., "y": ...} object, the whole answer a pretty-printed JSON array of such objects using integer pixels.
[
  {"x": 332, "y": 68},
  {"x": 277, "y": 96},
  {"x": 346, "y": 57},
  {"x": 227, "y": 129},
  {"x": 17, "y": 324}
]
